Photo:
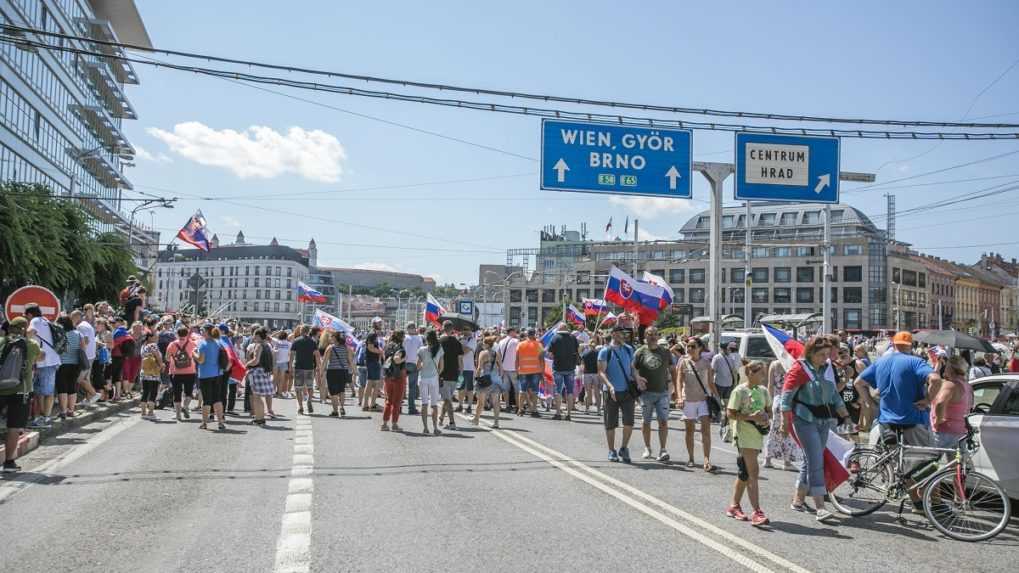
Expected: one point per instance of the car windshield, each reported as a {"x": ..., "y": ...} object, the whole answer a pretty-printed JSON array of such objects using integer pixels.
[{"x": 758, "y": 347}]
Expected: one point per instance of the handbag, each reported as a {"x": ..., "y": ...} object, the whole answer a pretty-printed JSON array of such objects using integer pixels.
[
  {"x": 714, "y": 408},
  {"x": 632, "y": 390}
]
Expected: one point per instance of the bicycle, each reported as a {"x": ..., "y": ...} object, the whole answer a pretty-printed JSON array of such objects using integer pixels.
[{"x": 963, "y": 504}]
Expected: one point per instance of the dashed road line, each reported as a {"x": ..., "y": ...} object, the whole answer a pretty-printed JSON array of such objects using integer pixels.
[{"x": 293, "y": 549}]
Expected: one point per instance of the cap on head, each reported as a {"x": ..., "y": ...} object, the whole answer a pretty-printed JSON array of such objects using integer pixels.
[
  {"x": 377, "y": 320},
  {"x": 224, "y": 328},
  {"x": 19, "y": 323},
  {"x": 903, "y": 338},
  {"x": 531, "y": 332}
]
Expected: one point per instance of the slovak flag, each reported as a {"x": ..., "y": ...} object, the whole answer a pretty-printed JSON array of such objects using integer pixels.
[
  {"x": 193, "y": 232},
  {"x": 668, "y": 295},
  {"x": 327, "y": 321},
  {"x": 575, "y": 316},
  {"x": 594, "y": 306},
  {"x": 786, "y": 348},
  {"x": 637, "y": 296},
  {"x": 433, "y": 310},
  {"x": 307, "y": 294},
  {"x": 609, "y": 320},
  {"x": 546, "y": 338}
]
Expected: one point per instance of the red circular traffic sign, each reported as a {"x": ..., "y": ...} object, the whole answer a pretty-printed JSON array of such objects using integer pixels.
[{"x": 48, "y": 302}]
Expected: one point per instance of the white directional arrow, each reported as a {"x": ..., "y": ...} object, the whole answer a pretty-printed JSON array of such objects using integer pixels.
[
  {"x": 673, "y": 175},
  {"x": 561, "y": 168},
  {"x": 822, "y": 182}
]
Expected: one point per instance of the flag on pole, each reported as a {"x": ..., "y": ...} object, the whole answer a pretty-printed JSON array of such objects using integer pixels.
[
  {"x": 669, "y": 296},
  {"x": 609, "y": 226},
  {"x": 546, "y": 338},
  {"x": 626, "y": 226},
  {"x": 609, "y": 320},
  {"x": 433, "y": 310},
  {"x": 786, "y": 348},
  {"x": 593, "y": 306},
  {"x": 575, "y": 316},
  {"x": 307, "y": 294},
  {"x": 323, "y": 319},
  {"x": 193, "y": 232},
  {"x": 631, "y": 294}
]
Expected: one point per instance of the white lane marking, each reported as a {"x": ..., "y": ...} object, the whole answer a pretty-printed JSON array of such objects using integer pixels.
[
  {"x": 293, "y": 549},
  {"x": 716, "y": 532},
  {"x": 43, "y": 472}
]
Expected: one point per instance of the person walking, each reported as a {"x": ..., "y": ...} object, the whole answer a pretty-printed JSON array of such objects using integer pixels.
[
  {"x": 653, "y": 371},
  {"x": 696, "y": 387},
  {"x": 506, "y": 361},
  {"x": 778, "y": 444},
  {"x": 724, "y": 367},
  {"x": 530, "y": 368},
  {"x": 339, "y": 358},
  {"x": 465, "y": 387},
  {"x": 151, "y": 370},
  {"x": 183, "y": 371},
  {"x": 589, "y": 361},
  {"x": 565, "y": 351},
  {"x": 260, "y": 363},
  {"x": 281, "y": 376},
  {"x": 46, "y": 366},
  {"x": 615, "y": 368},
  {"x": 429, "y": 365},
  {"x": 452, "y": 365},
  {"x": 18, "y": 354},
  {"x": 486, "y": 387},
  {"x": 71, "y": 364},
  {"x": 412, "y": 342},
  {"x": 810, "y": 404},
  {"x": 211, "y": 360},
  {"x": 88, "y": 344},
  {"x": 395, "y": 381},
  {"x": 304, "y": 362},
  {"x": 748, "y": 415},
  {"x": 373, "y": 366}
]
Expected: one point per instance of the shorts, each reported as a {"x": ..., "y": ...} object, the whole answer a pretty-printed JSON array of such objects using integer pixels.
[
  {"x": 509, "y": 380},
  {"x": 656, "y": 403},
  {"x": 528, "y": 382},
  {"x": 918, "y": 435},
  {"x": 132, "y": 367},
  {"x": 590, "y": 379},
  {"x": 337, "y": 380},
  {"x": 695, "y": 410},
  {"x": 430, "y": 395},
  {"x": 213, "y": 390},
  {"x": 17, "y": 410},
  {"x": 564, "y": 382},
  {"x": 97, "y": 375},
  {"x": 466, "y": 381},
  {"x": 446, "y": 389},
  {"x": 304, "y": 378},
  {"x": 67, "y": 379},
  {"x": 116, "y": 366},
  {"x": 613, "y": 408},
  {"x": 362, "y": 376},
  {"x": 183, "y": 385},
  {"x": 283, "y": 366},
  {"x": 45, "y": 381},
  {"x": 374, "y": 371}
]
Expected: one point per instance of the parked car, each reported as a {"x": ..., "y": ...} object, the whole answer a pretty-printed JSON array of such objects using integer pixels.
[{"x": 752, "y": 343}]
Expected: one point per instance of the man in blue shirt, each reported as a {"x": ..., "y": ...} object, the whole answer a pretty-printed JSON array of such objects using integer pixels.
[
  {"x": 210, "y": 379},
  {"x": 901, "y": 380},
  {"x": 615, "y": 364}
]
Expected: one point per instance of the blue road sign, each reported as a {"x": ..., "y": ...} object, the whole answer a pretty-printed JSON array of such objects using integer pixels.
[
  {"x": 618, "y": 159},
  {"x": 787, "y": 168},
  {"x": 466, "y": 307}
]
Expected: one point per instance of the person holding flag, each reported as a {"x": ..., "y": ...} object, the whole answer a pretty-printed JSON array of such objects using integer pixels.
[
  {"x": 641, "y": 298},
  {"x": 433, "y": 310},
  {"x": 565, "y": 350},
  {"x": 530, "y": 368},
  {"x": 195, "y": 233}
]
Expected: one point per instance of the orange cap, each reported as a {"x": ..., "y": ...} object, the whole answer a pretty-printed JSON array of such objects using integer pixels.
[{"x": 902, "y": 338}]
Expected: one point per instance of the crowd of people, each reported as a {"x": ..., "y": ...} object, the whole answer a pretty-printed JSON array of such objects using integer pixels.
[{"x": 187, "y": 365}]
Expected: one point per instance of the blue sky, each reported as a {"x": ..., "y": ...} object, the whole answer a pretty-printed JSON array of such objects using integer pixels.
[{"x": 297, "y": 170}]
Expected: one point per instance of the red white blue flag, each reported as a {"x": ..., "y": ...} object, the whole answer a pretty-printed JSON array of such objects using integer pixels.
[
  {"x": 307, "y": 294},
  {"x": 786, "y": 348},
  {"x": 575, "y": 316},
  {"x": 633, "y": 295},
  {"x": 193, "y": 232},
  {"x": 594, "y": 306},
  {"x": 433, "y": 310},
  {"x": 667, "y": 295}
]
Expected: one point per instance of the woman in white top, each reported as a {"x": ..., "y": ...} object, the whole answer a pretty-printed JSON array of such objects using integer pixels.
[
  {"x": 281, "y": 375},
  {"x": 429, "y": 364}
]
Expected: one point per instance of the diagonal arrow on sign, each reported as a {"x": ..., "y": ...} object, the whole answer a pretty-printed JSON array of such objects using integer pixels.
[
  {"x": 822, "y": 182},
  {"x": 560, "y": 169},
  {"x": 673, "y": 175}
]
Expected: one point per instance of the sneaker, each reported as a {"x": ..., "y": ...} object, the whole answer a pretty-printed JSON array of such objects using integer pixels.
[
  {"x": 567, "y": 418},
  {"x": 468, "y": 410},
  {"x": 735, "y": 512},
  {"x": 310, "y": 409},
  {"x": 384, "y": 428},
  {"x": 10, "y": 466},
  {"x": 824, "y": 515},
  {"x": 396, "y": 428},
  {"x": 222, "y": 426},
  {"x": 801, "y": 507},
  {"x": 663, "y": 456},
  {"x": 768, "y": 464},
  {"x": 789, "y": 466},
  {"x": 459, "y": 409},
  {"x": 95, "y": 398},
  {"x": 624, "y": 455},
  {"x": 647, "y": 454},
  {"x": 436, "y": 432},
  {"x": 334, "y": 414},
  {"x": 613, "y": 456},
  {"x": 758, "y": 519},
  {"x": 556, "y": 416},
  {"x": 187, "y": 414}
]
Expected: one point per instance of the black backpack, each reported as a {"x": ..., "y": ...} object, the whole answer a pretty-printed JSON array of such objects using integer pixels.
[
  {"x": 265, "y": 361},
  {"x": 58, "y": 336},
  {"x": 181, "y": 358},
  {"x": 224, "y": 360}
]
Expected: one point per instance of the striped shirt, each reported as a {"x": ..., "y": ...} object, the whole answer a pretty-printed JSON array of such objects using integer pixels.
[{"x": 338, "y": 358}]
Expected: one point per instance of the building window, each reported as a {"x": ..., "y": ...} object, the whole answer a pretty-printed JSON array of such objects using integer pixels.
[
  {"x": 783, "y": 275},
  {"x": 737, "y": 294},
  {"x": 909, "y": 277},
  {"x": 697, "y": 295},
  {"x": 532, "y": 295},
  {"x": 834, "y": 293},
  {"x": 702, "y": 222},
  {"x": 258, "y": 294},
  {"x": 759, "y": 295},
  {"x": 697, "y": 276},
  {"x": 783, "y": 295},
  {"x": 804, "y": 274},
  {"x": 514, "y": 316},
  {"x": 766, "y": 220},
  {"x": 257, "y": 270},
  {"x": 679, "y": 294},
  {"x": 759, "y": 275},
  {"x": 759, "y": 252},
  {"x": 290, "y": 271},
  {"x": 853, "y": 250},
  {"x": 728, "y": 221},
  {"x": 256, "y": 282},
  {"x": 255, "y": 306},
  {"x": 921, "y": 280},
  {"x": 738, "y": 274},
  {"x": 804, "y": 294},
  {"x": 547, "y": 295},
  {"x": 268, "y": 270},
  {"x": 852, "y": 318},
  {"x": 812, "y": 218},
  {"x": 788, "y": 219},
  {"x": 783, "y": 252},
  {"x": 853, "y": 274},
  {"x": 896, "y": 275},
  {"x": 275, "y": 307},
  {"x": 837, "y": 216},
  {"x": 516, "y": 295},
  {"x": 279, "y": 271},
  {"x": 677, "y": 276},
  {"x": 289, "y": 283}
]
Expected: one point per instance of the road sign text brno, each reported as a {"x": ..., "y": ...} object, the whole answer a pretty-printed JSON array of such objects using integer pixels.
[
  {"x": 787, "y": 168},
  {"x": 620, "y": 159}
]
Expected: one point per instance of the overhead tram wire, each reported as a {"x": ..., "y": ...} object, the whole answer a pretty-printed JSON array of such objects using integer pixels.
[
  {"x": 511, "y": 94},
  {"x": 935, "y": 172},
  {"x": 548, "y": 113}
]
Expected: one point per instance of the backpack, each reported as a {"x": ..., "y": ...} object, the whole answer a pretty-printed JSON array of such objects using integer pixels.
[
  {"x": 150, "y": 365},
  {"x": 12, "y": 364},
  {"x": 58, "y": 336},
  {"x": 224, "y": 359},
  {"x": 127, "y": 347},
  {"x": 265, "y": 361},
  {"x": 181, "y": 358}
]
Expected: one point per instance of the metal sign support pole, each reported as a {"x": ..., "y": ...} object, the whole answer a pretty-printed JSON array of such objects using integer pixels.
[
  {"x": 826, "y": 281},
  {"x": 715, "y": 173},
  {"x": 748, "y": 319}
]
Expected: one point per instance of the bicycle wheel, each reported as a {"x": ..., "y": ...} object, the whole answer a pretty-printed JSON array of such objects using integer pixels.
[
  {"x": 866, "y": 490},
  {"x": 967, "y": 506}
]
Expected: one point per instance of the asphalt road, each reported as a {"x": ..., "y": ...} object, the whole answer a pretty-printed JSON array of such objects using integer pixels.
[{"x": 326, "y": 494}]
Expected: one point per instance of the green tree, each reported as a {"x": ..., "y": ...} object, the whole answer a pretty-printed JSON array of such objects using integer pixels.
[{"x": 553, "y": 316}]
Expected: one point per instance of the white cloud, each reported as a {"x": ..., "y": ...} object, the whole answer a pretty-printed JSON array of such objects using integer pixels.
[
  {"x": 653, "y": 207},
  {"x": 142, "y": 153},
  {"x": 376, "y": 267},
  {"x": 646, "y": 235},
  {"x": 231, "y": 221},
  {"x": 258, "y": 151}
]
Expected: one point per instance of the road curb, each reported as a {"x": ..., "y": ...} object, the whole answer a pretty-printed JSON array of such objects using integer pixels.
[{"x": 31, "y": 438}]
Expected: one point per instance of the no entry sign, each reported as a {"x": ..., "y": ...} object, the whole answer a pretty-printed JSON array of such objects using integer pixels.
[{"x": 48, "y": 302}]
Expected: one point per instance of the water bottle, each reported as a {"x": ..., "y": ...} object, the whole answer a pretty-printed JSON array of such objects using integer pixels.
[{"x": 925, "y": 471}]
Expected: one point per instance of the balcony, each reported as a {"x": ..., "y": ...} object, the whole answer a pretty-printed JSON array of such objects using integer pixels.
[
  {"x": 107, "y": 89},
  {"x": 100, "y": 168},
  {"x": 103, "y": 127},
  {"x": 100, "y": 29}
]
